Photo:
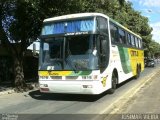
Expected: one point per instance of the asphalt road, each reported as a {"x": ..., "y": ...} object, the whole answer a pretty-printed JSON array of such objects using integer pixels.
[{"x": 34, "y": 105}]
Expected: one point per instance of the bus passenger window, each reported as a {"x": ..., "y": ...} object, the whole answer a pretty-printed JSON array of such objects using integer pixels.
[
  {"x": 132, "y": 41},
  {"x": 129, "y": 39},
  {"x": 122, "y": 38},
  {"x": 140, "y": 43},
  {"x": 136, "y": 41},
  {"x": 103, "y": 25}
]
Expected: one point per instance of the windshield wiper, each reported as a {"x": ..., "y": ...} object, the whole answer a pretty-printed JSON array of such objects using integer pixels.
[
  {"x": 70, "y": 65},
  {"x": 68, "y": 61},
  {"x": 59, "y": 60}
]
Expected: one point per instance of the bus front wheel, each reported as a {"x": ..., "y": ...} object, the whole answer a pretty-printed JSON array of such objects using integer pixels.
[{"x": 114, "y": 84}]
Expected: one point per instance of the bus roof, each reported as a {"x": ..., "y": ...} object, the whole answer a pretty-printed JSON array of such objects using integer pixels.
[{"x": 80, "y": 15}]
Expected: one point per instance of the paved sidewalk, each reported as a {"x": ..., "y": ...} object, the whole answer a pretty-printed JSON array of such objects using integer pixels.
[
  {"x": 147, "y": 100},
  {"x": 7, "y": 89}
]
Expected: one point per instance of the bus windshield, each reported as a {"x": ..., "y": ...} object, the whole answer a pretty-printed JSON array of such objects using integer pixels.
[{"x": 69, "y": 53}]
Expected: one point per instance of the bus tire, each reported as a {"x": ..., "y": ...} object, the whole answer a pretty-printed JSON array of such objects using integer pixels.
[
  {"x": 114, "y": 84},
  {"x": 138, "y": 71}
]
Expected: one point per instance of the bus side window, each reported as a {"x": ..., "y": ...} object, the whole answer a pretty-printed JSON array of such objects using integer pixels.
[
  {"x": 114, "y": 33},
  {"x": 132, "y": 41},
  {"x": 140, "y": 43},
  {"x": 136, "y": 42},
  {"x": 122, "y": 38},
  {"x": 129, "y": 39},
  {"x": 102, "y": 25}
]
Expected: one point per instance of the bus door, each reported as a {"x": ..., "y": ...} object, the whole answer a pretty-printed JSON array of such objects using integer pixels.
[
  {"x": 103, "y": 42},
  {"x": 103, "y": 52}
]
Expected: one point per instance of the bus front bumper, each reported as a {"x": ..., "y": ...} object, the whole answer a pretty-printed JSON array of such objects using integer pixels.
[{"x": 71, "y": 87}]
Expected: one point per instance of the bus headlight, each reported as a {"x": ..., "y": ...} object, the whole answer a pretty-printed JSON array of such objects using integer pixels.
[{"x": 43, "y": 85}]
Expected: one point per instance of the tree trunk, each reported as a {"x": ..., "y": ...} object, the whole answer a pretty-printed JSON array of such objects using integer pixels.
[{"x": 20, "y": 84}]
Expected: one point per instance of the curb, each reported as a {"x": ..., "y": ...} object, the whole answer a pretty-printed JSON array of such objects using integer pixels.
[{"x": 10, "y": 91}]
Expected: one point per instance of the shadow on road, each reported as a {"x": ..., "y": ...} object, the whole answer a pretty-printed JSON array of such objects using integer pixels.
[
  {"x": 65, "y": 97},
  {"x": 125, "y": 82}
]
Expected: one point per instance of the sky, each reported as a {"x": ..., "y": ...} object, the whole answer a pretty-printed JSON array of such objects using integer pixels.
[{"x": 150, "y": 9}]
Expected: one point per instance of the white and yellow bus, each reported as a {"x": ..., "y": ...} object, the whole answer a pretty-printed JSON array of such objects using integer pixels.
[{"x": 87, "y": 53}]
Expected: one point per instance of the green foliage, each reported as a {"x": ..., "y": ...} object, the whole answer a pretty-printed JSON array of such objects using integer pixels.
[
  {"x": 154, "y": 49},
  {"x": 134, "y": 21}
]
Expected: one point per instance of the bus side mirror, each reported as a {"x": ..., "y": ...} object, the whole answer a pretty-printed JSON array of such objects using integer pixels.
[{"x": 34, "y": 49}]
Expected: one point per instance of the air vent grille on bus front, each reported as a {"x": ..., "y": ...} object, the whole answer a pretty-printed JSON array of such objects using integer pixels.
[
  {"x": 71, "y": 77},
  {"x": 56, "y": 77}
]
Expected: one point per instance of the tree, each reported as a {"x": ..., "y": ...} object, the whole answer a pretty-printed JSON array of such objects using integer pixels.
[
  {"x": 7, "y": 8},
  {"x": 154, "y": 49},
  {"x": 25, "y": 22}
]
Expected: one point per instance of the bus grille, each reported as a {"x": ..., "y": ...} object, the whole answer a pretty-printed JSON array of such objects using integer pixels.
[
  {"x": 56, "y": 77},
  {"x": 71, "y": 77}
]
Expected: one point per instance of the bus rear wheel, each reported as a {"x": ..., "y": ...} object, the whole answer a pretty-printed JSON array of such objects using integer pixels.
[
  {"x": 114, "y": 84},
  {"x": 138, "y": 71}
]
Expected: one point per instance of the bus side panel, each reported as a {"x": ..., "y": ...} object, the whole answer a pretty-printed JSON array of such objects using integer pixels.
[
  {"x": 126, "y": 60},
  {"x": 121, "y": 62}
]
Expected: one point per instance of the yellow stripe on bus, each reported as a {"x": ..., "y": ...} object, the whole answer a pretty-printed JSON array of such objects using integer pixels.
[{"x": 54, "y": 73}]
